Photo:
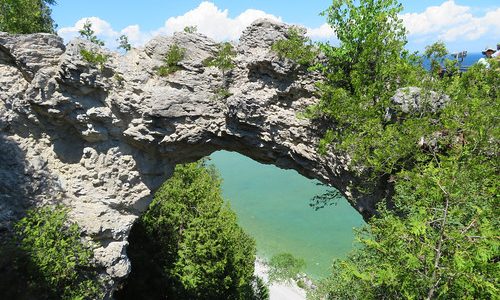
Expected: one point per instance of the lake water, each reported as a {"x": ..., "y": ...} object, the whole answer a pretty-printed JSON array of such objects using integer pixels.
[{"x": 273, "y": 206}]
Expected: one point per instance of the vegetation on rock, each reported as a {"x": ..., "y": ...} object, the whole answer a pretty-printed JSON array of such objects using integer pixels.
[
  {"x": 124, "y": 43},
  {"x": 47, "y": 259},
  {"x": 27, "y": 16},
  {"x": 172, "y": 59},
  {"x": 188, "y": 244},
  {"x": 224, "y": 61},
  {"x": 296, "y": 47},
  {"x": 92, "y": 56}
]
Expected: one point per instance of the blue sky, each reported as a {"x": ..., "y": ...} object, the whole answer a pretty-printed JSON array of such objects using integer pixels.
[{"x": 463, "y": 25}]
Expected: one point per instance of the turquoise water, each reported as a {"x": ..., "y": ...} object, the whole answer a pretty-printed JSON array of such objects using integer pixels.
[{"x": 273, "y": 206}]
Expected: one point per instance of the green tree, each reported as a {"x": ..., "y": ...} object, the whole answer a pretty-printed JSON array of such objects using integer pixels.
[
  {"x": 198, "y": 250},
  {"x": 89, "y": 34},
  {"x": 296, "y": 47},
  {"x": 48, "y": 259},
  {"x": 438, "y": 238},
  {"x": 124, "y": 43},
  {"x": 26, "y": 16}
]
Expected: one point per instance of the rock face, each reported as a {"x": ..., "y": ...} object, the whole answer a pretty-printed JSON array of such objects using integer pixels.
[{"x": 101, "y": 139}]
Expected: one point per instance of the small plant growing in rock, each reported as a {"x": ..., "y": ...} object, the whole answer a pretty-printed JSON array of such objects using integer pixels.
[
  {"x": 224, "y": 61},
  {"x": 91, "y": 56},
  {"x": 296, "y": 47},
  {"x": 89, "y": 34},
  {"x": 94, "y": 58},
  {"x": 191, "y": 29},
  {"x": 124, "y": 43},
  {"x": 174, "y": 55}
]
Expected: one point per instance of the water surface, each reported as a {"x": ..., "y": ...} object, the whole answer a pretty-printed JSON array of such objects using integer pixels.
[{"x": 273, "y": 206}]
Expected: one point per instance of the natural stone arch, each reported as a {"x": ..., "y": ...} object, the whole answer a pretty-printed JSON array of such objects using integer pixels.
[{"x": 101, "y": 141}]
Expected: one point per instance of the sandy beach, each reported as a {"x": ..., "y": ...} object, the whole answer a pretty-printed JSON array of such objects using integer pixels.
[{"x": 279, "y": 291}]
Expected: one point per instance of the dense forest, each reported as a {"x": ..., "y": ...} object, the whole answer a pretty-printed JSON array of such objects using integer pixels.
[{"x": 435, "y": 237}]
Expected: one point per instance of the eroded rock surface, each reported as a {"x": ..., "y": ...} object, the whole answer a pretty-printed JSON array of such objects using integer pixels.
[{"x": 102, "y": 139}]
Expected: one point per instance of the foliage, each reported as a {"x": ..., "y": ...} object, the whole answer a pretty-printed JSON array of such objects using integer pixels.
[
  {"x": 296, "y": 47},
  {"x": 26, "y": 16},
  {"x": 49, "y": 260},
  {"x": 223, "y": 59},
  {"x": 124, "y": 43},
  {"x": 174, "y": 55},
  {"x": 89, "y": 34},
  {"x": 284, "y": 267},
  {"x": 439, "y": 239},
  {"x": 191, "y": 29},
  {"x": 190, "y": 241},
  {"x": 94, "y": 58},
  {"x": 436, "y": 53}
]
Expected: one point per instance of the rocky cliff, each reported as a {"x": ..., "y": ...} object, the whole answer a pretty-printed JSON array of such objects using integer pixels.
[{"x": 100, "y": 139}]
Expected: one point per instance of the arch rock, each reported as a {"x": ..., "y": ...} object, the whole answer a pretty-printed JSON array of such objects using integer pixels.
[{"x": 101, "y": 139}]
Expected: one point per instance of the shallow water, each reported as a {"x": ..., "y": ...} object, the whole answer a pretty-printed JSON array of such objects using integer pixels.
[{"x": 273, "y": 206}]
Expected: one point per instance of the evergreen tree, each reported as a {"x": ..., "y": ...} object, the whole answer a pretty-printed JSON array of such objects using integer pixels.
[{"x": 190, "y": 242}]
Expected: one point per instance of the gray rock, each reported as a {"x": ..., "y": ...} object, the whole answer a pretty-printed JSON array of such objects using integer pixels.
[{"x": 102, "y": 140}]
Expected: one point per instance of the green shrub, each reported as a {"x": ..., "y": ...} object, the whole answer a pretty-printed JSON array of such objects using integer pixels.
[
  {"x": 94, "y": 58},
  {"x": 171, "y": 63},
  {"x": 284, "y": 267},
  {"x": 191, "y": 29},
  {"x": 296, "y": 47},
  {"x": 58, "y": 263}
]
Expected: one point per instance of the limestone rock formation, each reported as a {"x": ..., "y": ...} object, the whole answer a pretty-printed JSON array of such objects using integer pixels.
[{"x": 101, "y": 139}]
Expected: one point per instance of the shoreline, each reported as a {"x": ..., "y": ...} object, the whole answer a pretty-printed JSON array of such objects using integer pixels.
[{"x": 278, "y": 291}]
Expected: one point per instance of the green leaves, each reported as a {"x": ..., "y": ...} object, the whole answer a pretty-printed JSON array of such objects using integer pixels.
[
  {"x": 172, "y": 59},
  {"x": 296, "y": 47},
  {"x": 26, "y": 16},
  {"x": 200, "y": 250},
  {"x": 89, "y": 34},
  {"x": 437, "y": 241},
  {"x": 59, "y": 261}
]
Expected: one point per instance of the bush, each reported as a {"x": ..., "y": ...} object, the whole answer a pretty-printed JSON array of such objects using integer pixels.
[
  {"x": 174, "y": 55},
  {"x": 296, "y": 47},
  {"x": 27, "y": 16},
  {"x": 49, "y": 260},
  {"x": 94, "y": 58}
]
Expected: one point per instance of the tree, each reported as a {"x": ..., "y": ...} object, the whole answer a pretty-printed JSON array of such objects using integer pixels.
[
  {"x": 26, "y": 16},
  {"x": 47, "y": 259},
  {"x": 89, "y": 34},
  {"x": 296, "y": 47},
  {"x": 437, "y": 238},
  {"x": 190, "y": 240},
  {"x": 124, "y": 43}
]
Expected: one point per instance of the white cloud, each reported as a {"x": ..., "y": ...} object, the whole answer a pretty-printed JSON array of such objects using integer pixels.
[
  {"x": 102, "y": 29},
  {"x": 451, "y": 22},
  {"x": 323, "y": 32},
  {"x": 214, "y": 22},
  {"x": 210, "y": 20}
]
